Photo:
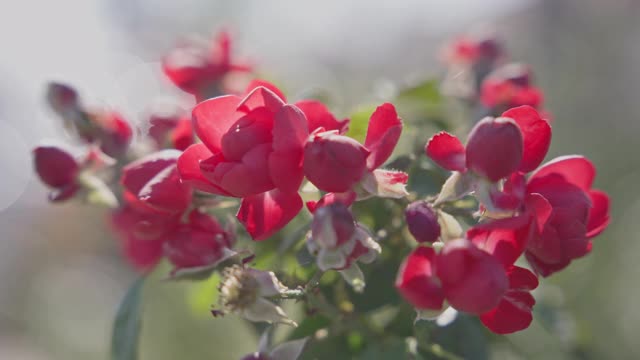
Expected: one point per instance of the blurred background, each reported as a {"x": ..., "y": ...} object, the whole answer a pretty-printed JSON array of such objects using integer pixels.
[{"x": 61, "y": 276}]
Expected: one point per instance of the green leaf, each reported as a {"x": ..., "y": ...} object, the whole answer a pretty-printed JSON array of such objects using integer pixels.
[
  {"x": 360, "y": 122},
  {"x": 126, "y": 328},
  {"x": 201, "y": 295}
]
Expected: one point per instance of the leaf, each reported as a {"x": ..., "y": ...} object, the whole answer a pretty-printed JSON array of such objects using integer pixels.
[
  {"x": 126, "y": 327},
  {"x": 360, "y": 122}
]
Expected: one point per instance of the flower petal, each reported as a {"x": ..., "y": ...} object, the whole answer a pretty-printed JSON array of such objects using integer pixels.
[
  {"x": 56, "y": 167},
  {"x": 289, "y": 135},
  {"x": 505, "y": 239},
  {"x": 213, "y": 118},
  {"x": 260, "y": 97},
  {"x": 264, "y": 214},
  {"x": 259, "y": 82},
  {"x": 189, "y": 169},
  {"x": 599, "y": 213},
  {"x": 447, "y": 151},
  {"x": 417, "y": 282},
  {"x": 536, "y": 135},
  {"x": 383, "y": 134},
  {"x": 318, "y": 116},
  {"x": 575, "y": 169},
  {"x": 513, "y": 313},
  {"x": 240, "y": 179}
]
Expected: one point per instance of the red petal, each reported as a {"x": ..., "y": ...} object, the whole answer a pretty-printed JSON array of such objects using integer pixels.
[
  {"x": 513, "y": 313},
  {"x": 447, "y": 151},
  {"x": 417, "y": 282},
  {"x": 240, "y": 179},
  {"x": 264, "y": 214},
  {"x": 182, "y": 135},
  {"x": 258, "y": 82},
  {"x": 575, "y": 169},
  {"x": 189, "y": 169},
  {"x": 382, "y": 135},
  {"x": 213, "y": 118},
  {"x": 56, "y": 167},
  {"x": 318, "y": 116},
  {"x": 260, "y": 97},
  {"x": 155, "y": 182},
  {"x": 472, "y": 279},
  {"x": 599, "y": 213},
  {"x": 505, "y": 239},
  {"x": 540, "y": 209},
  {"x": 289, "y": 135},
  {"x": 494, "y": 149},
  {"x": 536, "y": 136},
  {"x": 346, "y": 198}
]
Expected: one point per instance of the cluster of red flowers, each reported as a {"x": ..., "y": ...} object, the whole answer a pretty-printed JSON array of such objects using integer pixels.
[
  {"x": 550, "y": 217},
  {"x": 259, "y": 148}
]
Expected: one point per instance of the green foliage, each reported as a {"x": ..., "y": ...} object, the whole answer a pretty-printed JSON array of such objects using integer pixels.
[{"x": 126, "y": 328}]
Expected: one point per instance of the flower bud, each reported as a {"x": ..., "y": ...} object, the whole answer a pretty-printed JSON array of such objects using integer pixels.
[
  {"x": 334, "y": 162},
  {"x": 472, "y": 279},
  {"x": 62, "y": 98},
  {"x": 332, "y": 225},
  {"x": 422, "y": 221},
  {"x": 56, "y": 167},
  {"x": 494, "y": 148}
]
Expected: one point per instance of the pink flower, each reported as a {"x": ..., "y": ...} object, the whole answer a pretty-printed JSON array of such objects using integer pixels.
[
  {"x": 578, "y": 213},
  {"x": 510, "y": 86},
  {"x": 199, "y": 68},
  {"x": 513, "y": 313},
  {"x": 336, "y": 163},
  {"x": 58, "y": 169},
  {"x": 496, "y": 148},
  {"x": 152, "y": 184},
  {"x": 422, "y": 222},
  {"x": 251, "y": 148}
]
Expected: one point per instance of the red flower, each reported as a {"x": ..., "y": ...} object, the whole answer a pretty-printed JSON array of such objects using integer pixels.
[
  {"x": 473, "y": 281},
  {"x": 578, "y": 213},
  {"x": 143, "y": 234},
  {"x": 201, "y": 242},
  {"x": 111, "y": 131},
  {"x": 517, "y": 141},
  {"x": 173, "y": 130},
  {"x": 251, "y": 148},
  {"x": 510, "y": 86},
  {"x": 199, "y": 69},
  {"x": 417, "y": 281},
  {"x": 513, "y": 313},
  {"x": 478, "y": 48},
  {"x": 57, "y": 169},
  {"x": 152, "y": 184},
  {"x": 336, "y": 163},
  {"x": 470, "y": 279},
  {"x": 107, "y": 129}
]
